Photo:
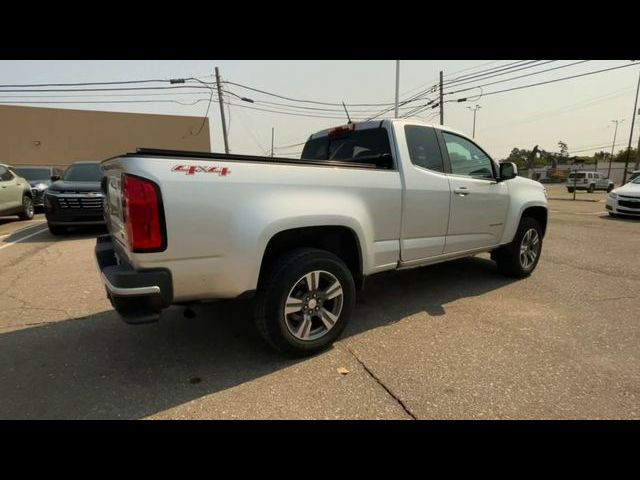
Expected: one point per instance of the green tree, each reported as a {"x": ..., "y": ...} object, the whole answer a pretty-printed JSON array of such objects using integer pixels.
[{"x": 564, "y": 149}]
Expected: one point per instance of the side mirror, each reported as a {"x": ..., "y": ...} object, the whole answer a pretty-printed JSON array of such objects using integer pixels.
[
  {"x": 508, "y": 170},
  {"x": 55, "y": 178}
]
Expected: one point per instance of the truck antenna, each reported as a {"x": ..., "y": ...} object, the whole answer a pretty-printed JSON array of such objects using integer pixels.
[{"x": 347, "y": 112}]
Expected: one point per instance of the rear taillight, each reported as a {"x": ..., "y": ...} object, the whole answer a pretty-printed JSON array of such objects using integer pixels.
[{"x": 143, "y": 216}]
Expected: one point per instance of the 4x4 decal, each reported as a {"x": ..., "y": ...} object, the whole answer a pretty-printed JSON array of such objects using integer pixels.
[{"x": 193, "y": 169}]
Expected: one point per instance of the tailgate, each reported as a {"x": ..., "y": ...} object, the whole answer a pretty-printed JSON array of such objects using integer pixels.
[{"x": 111, "y": 184}]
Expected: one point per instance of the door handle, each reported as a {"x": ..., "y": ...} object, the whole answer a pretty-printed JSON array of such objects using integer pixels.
[{"x": 462, "y": 191}]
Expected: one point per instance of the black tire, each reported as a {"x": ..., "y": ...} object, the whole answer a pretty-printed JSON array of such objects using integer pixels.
[
  {"x": 570, "y": 189},
  {"x": 591, "y": 189},
  {"x": 57, "y": 229},
  {"x": 27, "y": 208},
  {"x": 508, "y": 258},
  {"x": 276, "y": 284},
  {"x": 609, "y": 188}
]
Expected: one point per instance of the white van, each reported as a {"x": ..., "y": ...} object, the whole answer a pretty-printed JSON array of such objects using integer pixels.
[{"x": 589, "y": 181}]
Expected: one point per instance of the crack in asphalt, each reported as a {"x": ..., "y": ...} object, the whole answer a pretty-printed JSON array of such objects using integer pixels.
[
  {"x": 588, "y": 269},
  {"x": 387, "y": 389}
]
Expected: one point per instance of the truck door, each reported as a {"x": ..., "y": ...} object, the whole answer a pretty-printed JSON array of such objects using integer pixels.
[
  {"x": 478, "y": 202},
  {"x": 425, "y": 195}
]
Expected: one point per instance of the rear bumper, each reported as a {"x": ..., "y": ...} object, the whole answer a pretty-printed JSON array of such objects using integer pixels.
[{"x": 137, "y": 295}]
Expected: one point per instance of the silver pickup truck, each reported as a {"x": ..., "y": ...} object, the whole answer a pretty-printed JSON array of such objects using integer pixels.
[{"x": 301, "y": 235}]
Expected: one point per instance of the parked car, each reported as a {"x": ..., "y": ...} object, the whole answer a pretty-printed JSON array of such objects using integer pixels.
[
  {"x": 301, "y": 235},
  {"x": 75, "y": 199},
  {"x": 589, "y": 181},
  {"x": 15, "y": 194},
  {"x": 39, "y": 178},
  {"x": 625, "y": 200}
]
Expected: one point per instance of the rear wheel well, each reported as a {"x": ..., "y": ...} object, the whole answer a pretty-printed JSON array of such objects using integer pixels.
[
  {"x": 341, "y": 241},
  {"x": 537, "y": 213}
]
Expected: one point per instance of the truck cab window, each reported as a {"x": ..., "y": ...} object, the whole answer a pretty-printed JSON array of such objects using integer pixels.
[
  {"x": 423, "y": 147},
  {"x": 467, "y": 158},
  {"x": 359, "y": 146}
]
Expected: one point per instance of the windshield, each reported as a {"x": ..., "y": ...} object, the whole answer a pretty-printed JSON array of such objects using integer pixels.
[
  {"x": 636, "y": 180},
  {"x": 82, "y": 172},
  {"x": 34, "y": 173}
]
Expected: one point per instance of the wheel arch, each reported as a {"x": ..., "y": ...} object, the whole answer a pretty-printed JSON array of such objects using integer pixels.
[
  {"x": 538, "y": 213},
  {"x": 340, "y": 240}
]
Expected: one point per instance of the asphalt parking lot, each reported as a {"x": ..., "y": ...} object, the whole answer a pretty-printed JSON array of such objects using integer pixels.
[{"x": 454, "y": 340}]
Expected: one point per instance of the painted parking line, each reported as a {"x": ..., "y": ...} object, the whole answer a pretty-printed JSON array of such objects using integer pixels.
[
  {"x": 23, "y": 238},
  {"x": 35, "y": 223}
]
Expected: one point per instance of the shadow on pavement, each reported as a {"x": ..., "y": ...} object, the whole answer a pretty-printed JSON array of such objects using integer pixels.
[
  {"x": 621, "y": 218},
  {"x": 73, "y": 233},
  {"x": 98, "y": 367},
  {"x": 592, "y": 200}
]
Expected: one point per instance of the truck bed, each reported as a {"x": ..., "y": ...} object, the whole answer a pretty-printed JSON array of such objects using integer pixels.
[{"x": 155, "y": 153}]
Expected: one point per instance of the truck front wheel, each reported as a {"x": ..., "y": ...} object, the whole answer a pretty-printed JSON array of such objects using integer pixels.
[
  {"x": 304, "y": 302},
  {"x": 519, "y": 258}
]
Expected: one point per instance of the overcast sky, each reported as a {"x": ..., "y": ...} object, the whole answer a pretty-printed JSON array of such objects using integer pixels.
[{"x": 577, "y": 111}]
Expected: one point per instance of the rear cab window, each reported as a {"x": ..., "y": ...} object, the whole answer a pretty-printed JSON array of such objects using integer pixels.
[
  {"x": 423, "y": 147},
  {"x": 368, "y": 146}
]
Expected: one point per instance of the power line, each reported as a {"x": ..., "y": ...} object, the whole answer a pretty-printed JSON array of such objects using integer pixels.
[
  {"x": 494, "y": 73},
  {"x": 307, "y": 101},
  {"x": 435, "y": 80},
  {"x": 554, "y": 80},
  {"x": 124, "y": 82},
  {"x": 102, "y": 101},
  {"x": 519, "y": 76},
  {"x": 282, "y": 112},
  {"x": 42, "y": 90}
]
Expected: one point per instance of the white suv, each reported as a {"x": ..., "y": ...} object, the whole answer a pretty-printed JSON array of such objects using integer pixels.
[
  {"x": 589, "y": 181},
  {"x": 15, "y": 194}
]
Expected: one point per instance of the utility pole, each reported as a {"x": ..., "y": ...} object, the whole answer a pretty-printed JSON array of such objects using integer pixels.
[
  {"x": 613, "y": 145},
  {"x": 638, "y": 151},
  {"x": 271, "y": 142},
  {"x": 474, "y": 110},
  {"x": 397, "y": 86},
  {"x": 221, "y": 103},
  {"x": 441, "y": 103},
  {"x": 633, "y": 120}
]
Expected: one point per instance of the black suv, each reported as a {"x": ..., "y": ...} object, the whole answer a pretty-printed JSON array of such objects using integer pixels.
[{"x": 75, "y": 199}]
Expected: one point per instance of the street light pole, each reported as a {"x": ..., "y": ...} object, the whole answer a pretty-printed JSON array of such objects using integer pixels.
[
  {"x": 613, "y": 145},
  {"x": 474, "y": 110}
]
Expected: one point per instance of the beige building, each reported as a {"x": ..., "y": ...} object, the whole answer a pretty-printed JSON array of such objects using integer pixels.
[{"x": 59, "y": 137}]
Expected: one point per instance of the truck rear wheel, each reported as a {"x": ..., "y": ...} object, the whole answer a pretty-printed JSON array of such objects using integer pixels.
[
  {"x": 570, "y": 189},
  {"x": 519, "y": 258},
  {"x": 592, "y": 188},
  {"x": 304, "y": 302}
]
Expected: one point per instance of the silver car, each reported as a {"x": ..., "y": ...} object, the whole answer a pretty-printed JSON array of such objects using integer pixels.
[{"x": 15, "y": 194}]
